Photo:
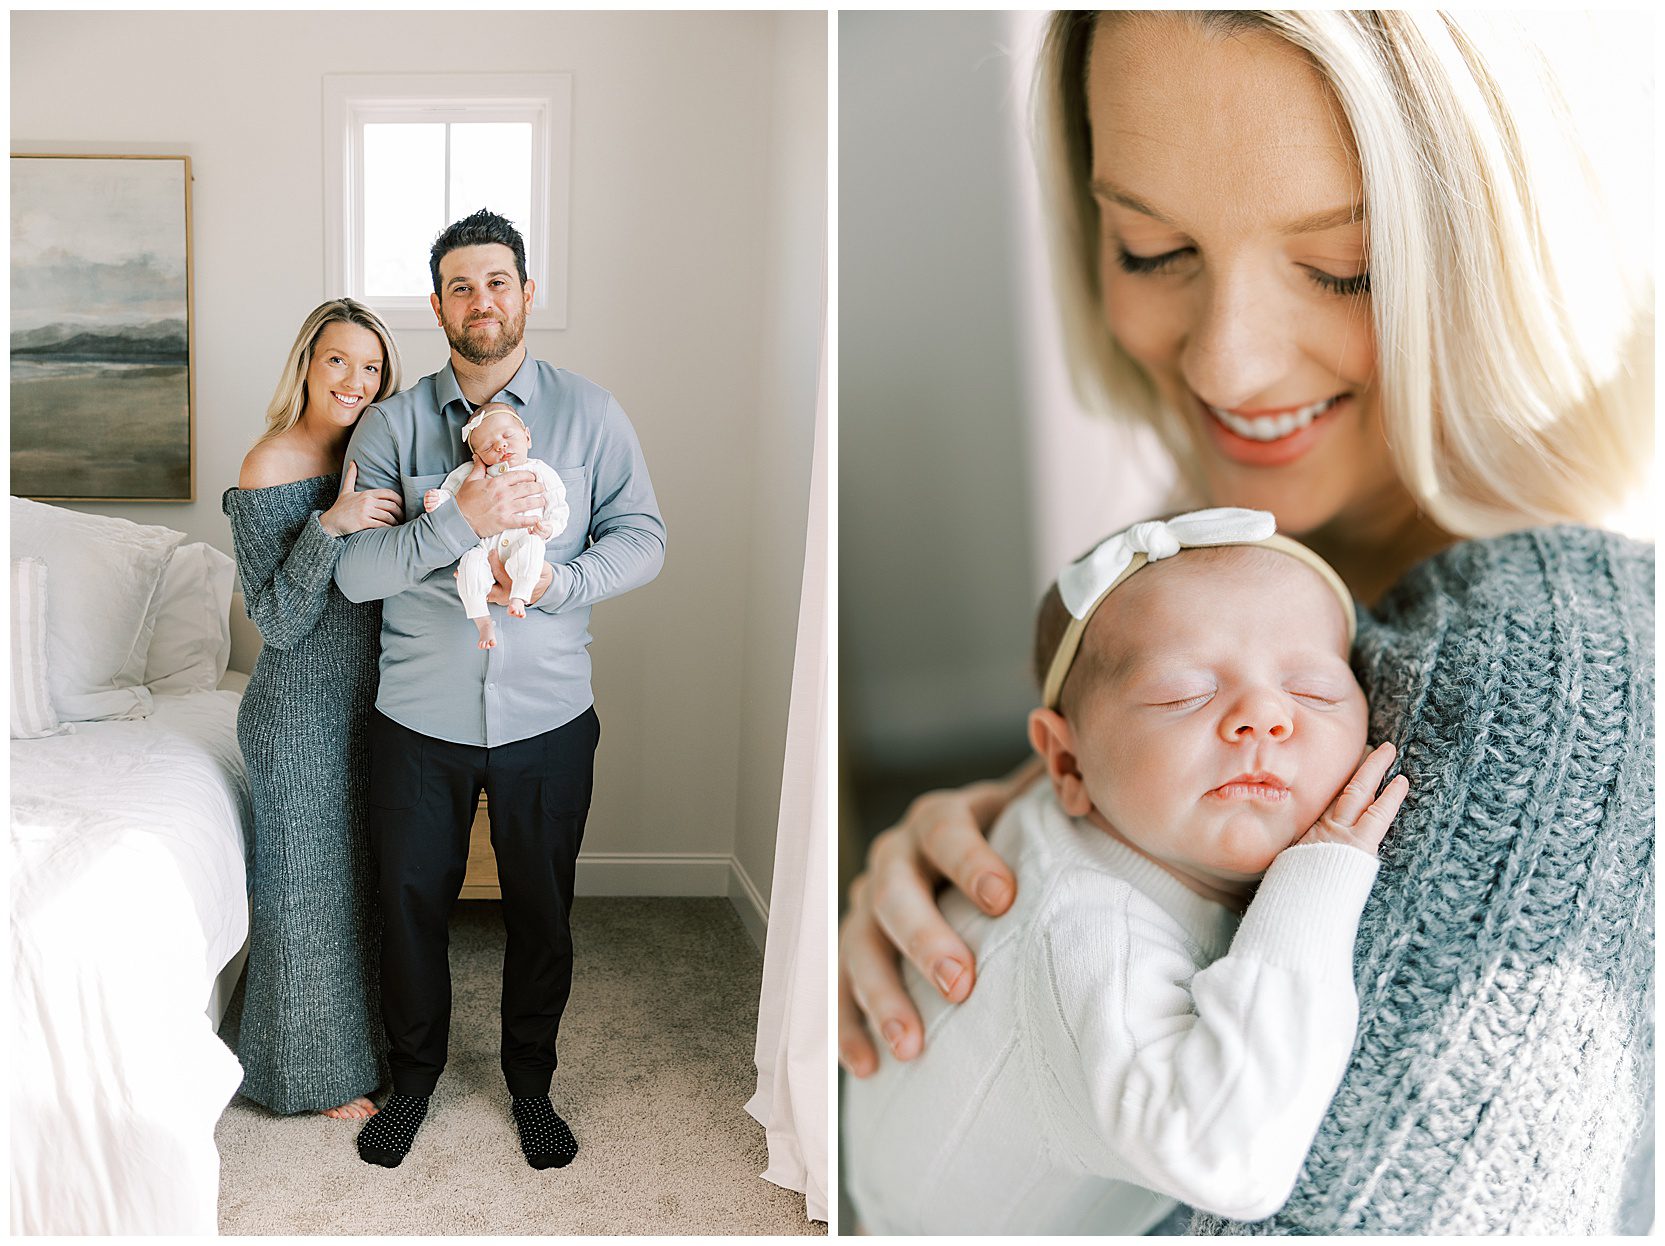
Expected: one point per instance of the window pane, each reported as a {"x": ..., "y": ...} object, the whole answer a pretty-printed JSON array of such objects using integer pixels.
[
  {"x": 404, "y": 205},
  {"x": 491, "y": 167}
]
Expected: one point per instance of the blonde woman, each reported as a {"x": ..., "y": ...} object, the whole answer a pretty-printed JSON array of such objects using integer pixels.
[
  {"x": 310, "y": 1038},
  {"x": 1361, "y": 269}
]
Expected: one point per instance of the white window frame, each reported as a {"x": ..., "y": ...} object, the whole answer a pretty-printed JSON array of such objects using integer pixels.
[{"x": 352, "y": 100}]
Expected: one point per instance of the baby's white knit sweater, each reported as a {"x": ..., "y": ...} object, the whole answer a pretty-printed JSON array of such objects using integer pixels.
[{"x": 1122, "y": 1047}]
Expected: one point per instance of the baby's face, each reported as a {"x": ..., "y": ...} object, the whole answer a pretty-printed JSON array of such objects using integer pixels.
[
  {"x": 1223, "y": 716},
  {"x": 500, "y": 439}
]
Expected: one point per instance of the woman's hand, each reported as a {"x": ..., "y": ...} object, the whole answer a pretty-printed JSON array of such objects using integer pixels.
[
  {"x": 1358, "y": 817},
  {"x": 893, "y": 908},
  {"x": 353, "y": 512}
]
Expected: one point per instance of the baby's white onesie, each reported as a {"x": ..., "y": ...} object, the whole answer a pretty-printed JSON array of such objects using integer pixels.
[
  {"x": 521, "y": 549},
  {"x": 1127, "y": 1043}
]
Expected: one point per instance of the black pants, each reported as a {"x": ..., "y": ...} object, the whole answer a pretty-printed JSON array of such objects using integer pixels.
[{"x": 423, "y": 794}]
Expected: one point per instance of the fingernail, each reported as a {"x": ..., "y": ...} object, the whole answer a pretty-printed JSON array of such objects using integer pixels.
[
  {"x": 855, "y": 1060},
  {"x": 991, "y": 891},
  {"x": 946, "y": 973},
  {"x": 895, "y": 1032}
]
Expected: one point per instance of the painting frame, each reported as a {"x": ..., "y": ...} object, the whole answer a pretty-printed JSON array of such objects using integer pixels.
[{"x": 173, "y": 351}]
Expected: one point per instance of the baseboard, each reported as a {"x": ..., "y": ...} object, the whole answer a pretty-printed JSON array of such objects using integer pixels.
[
  {"x": 748, "y": 901},
  {"x": 652, "y": 874},
  {"x": 675, "y": 874}
]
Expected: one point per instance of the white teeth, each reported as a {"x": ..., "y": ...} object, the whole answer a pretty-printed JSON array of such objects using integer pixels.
[
  {"x": 349, "y": 401},
  {"x": 1273, "y": 427}
]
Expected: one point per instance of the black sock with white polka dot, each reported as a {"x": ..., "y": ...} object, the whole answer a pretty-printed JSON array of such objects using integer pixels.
[
  {"x": 386, "y": 1136},
  {"x": 544, "y": 1136}
]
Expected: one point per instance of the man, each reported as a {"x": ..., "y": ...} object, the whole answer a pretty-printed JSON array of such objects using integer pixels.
[{"x": 518, "y": 720}]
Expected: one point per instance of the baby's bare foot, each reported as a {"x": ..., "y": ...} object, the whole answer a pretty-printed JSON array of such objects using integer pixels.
[
  {"x": 517, "y": 607},
  {"x": 357, "y": 1110},
  {"x": 488, "y": 632}
]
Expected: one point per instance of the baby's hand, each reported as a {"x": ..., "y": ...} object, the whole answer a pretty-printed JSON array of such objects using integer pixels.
[
  {"x": 544, "y": 529},
  {"x": 1354, "y": 818},
  {"x": 432, "y": 498}
]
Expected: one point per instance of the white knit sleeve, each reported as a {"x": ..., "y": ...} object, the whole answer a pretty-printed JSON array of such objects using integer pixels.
[
  {"x": 454, "y": 481},
  {"x": 1206, "y": 1085},
  {"x": 556, "y": 512}
]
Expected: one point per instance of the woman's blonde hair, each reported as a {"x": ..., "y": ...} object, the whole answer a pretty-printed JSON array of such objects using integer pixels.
[
  {"x": 289, "y": 399},
  {"x": 1511, "y": 292}
]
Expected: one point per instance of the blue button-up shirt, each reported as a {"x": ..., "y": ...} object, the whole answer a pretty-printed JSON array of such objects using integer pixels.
[{"x": 434, "y": 677}]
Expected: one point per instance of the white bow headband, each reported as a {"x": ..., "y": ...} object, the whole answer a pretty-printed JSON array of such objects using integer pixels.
[
  {"x": 491, "y": 408},
  {"x": 1085, "y": 583}
]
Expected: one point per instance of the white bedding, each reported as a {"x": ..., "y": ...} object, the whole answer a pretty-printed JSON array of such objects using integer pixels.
[{"x": 128, "y": 896}]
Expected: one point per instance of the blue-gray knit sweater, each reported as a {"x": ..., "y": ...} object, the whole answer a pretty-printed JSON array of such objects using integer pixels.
[{"x": 1504, "y": 1060}]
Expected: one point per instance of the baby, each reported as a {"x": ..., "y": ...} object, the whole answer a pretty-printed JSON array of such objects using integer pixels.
[
  {"x": 1167, "y": 1009},
  {"x": 499, "y": 442}
]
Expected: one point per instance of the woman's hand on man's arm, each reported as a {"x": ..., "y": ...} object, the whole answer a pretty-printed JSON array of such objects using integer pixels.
[{"x": 893, "y": 909}]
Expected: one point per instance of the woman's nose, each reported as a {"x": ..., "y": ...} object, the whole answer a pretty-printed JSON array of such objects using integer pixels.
[
  {"x": 1257, "y": 714},
  {"x": 1241, "y": 342}
]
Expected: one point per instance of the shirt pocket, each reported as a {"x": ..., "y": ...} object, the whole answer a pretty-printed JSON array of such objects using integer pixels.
[
  {"x": 414, "y": 487},
  {"x": 570, "y": 541}
]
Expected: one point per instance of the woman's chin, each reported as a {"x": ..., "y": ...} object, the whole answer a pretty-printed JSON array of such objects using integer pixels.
[{"x": 1300, "y": 505}]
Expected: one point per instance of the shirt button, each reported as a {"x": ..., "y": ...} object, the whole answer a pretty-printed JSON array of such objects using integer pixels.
[{"x": 491, "y": 687}]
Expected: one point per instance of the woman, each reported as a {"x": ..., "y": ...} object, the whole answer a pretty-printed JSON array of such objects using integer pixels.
[
  {"x": 311, "y": 1036},
  {"x": 1341, "y": 263}
]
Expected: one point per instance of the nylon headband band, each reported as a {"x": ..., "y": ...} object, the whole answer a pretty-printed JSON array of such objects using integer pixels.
[
  {"x": 1070, "y": 644},
  {"x": 482, "y": 413}
]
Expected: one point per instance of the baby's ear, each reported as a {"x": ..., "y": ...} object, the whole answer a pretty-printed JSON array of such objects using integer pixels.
[{"x": 1052, "y": 739}]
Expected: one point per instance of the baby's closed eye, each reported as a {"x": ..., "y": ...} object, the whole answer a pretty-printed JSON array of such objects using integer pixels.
[{"x": 1318, "y": 691}]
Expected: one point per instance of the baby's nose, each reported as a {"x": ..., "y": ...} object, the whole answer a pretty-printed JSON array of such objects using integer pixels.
[{"x": 1258, "y": 712}]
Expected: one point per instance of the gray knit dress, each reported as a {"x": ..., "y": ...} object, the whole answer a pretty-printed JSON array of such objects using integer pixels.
[
  {"x": 1503, "y": 1069},
  {"x": 311, "y": 1034}
]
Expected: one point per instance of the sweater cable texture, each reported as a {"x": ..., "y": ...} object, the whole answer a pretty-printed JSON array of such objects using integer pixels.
[{"x": 1503, "y": 1069}]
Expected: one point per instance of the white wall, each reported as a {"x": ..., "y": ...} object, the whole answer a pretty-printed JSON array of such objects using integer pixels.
[
  {"x": 935, "y": 563},
  {"x": 794, "y": 320},
  {"x": 690, "y": 246}
]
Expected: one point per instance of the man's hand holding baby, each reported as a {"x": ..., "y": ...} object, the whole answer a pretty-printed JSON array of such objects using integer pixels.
[
  {"x": 494, "y": 504},
  {"x": 1358, "y": 817},
  {"x": 498, "y": 594}
]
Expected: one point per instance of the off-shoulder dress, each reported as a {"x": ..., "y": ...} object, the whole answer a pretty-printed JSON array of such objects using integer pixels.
[{"x": 311, "y": 1034}]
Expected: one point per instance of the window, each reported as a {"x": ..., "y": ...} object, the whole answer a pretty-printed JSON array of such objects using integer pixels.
[{"x": 406, "y": 155}]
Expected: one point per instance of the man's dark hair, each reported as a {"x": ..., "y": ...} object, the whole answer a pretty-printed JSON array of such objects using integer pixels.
[{"x": 481, "y": 229}]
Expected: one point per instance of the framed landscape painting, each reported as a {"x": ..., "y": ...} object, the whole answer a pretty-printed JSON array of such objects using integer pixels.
[{"x": 102, "y": 382}]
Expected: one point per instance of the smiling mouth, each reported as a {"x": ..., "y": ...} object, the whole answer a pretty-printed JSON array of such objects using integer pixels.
[
  {"x": 1269, "y": 428},
  {"x": 347, "y": 400}
]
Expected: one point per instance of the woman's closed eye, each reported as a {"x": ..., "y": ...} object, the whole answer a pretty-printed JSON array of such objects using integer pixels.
[
  {"x": 1143, "y": 264},
  {"x": 1148, "y": 265}
]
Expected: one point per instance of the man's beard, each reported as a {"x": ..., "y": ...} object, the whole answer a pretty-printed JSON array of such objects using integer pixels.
[{"x": 484, "y": 351}]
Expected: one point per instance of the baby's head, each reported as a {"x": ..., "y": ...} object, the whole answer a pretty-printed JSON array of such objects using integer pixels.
[
  {"x": 1210, "y": 714},
  {"x": 496, "y": 435}
]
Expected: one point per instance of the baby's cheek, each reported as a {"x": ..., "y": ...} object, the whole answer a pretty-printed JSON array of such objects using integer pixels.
[{"x": 1343, "y": 751}]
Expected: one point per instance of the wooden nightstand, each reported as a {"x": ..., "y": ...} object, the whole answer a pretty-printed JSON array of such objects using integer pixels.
[{"x": 480, "y": 882}]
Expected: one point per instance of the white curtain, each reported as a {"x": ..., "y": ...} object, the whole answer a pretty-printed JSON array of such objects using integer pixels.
[{"x": 792, "y": 1052}]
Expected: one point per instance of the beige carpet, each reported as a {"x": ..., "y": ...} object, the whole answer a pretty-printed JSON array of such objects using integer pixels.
[{"x": 656, "y": 1068}]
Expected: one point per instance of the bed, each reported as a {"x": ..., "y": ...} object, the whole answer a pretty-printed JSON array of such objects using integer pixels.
[{"x": 130, "y": 826}]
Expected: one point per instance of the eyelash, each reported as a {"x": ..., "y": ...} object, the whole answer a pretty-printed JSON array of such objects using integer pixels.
[
  {"x": 1184, "y": 702},
  {"x": 1188, "y": 702},
  {"x": 339, "y": 359},
  {"x": 1145, "y": 265}
]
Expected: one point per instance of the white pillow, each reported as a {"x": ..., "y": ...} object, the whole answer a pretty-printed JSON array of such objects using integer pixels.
[
  {"x": 32, "y": 715},
  {"x": 101, "y": 612},
  {"x": 191, "y": 644}
]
